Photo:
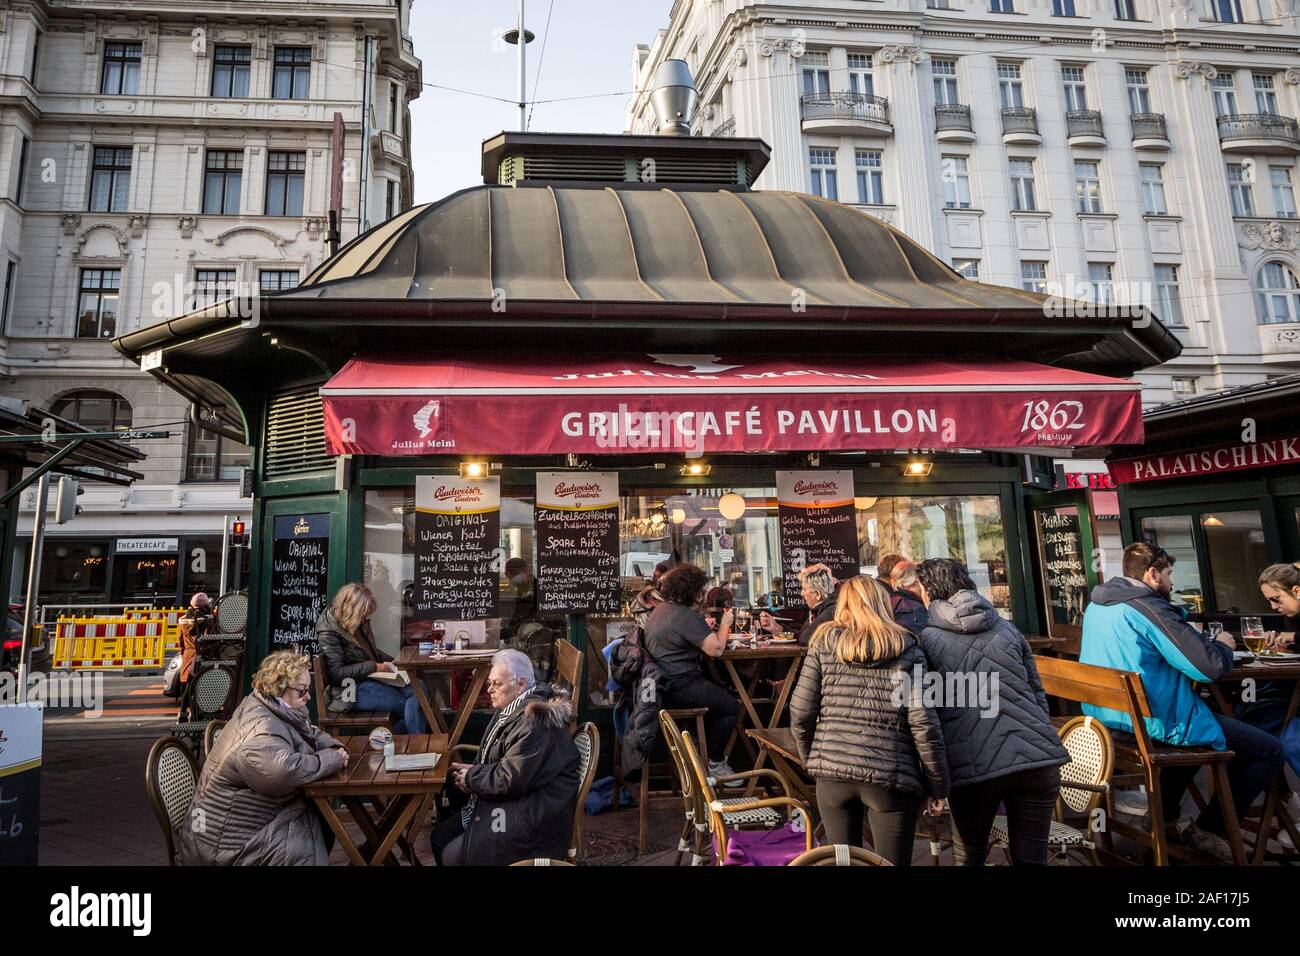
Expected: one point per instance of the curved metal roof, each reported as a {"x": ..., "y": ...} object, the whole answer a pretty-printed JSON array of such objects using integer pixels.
[{"x": 648, "y": 246}]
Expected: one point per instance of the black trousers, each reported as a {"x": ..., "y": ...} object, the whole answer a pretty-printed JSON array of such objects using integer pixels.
[
  {"x": 891, "y": 813},
  {"x": 696, "y": 690},
  {"x": 447, "y": 840},
  {"x": 1029, "y": 796}
]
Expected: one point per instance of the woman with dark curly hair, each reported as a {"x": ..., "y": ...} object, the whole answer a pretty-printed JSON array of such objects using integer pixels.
[{"x": 676, "y": 637}]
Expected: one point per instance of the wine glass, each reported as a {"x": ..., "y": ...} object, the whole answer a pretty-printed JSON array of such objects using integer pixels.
[{"x": 439, "y": 639}]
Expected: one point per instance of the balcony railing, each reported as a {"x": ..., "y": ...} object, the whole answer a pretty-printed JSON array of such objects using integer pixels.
[
  {"x": 1260, "y": 126},
  {"x": 951, "y": 116},
  {"x": 726, "y": 128},
  {"x": 846, "y": 106},
  {"x": 1084, "y": 123},
  {"x": 1148, "y": 126},
  {"x": 1019, "y": 119}
]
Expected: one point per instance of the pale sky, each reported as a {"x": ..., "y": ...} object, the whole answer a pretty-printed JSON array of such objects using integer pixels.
[{"x": 588, "y": 51}]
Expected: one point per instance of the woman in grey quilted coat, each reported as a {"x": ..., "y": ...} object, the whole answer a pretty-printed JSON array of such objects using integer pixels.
[
  {"x": 1002, "y": 747},
  {"x": 249, "y": 808},
  {"x": 868, "y": 740}
]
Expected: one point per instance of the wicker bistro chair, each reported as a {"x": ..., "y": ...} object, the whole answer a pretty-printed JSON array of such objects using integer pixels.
[
  {"x": 542, "y": 861},
  {"x": 1085, "y": 787},
  {"x": 695, "y": 827},
  {"x": 587, "y": 740},
  {"x": 170, "y": 779},
  {"x": 839, "y": 854},
  {"x": 739, "y": 813},
  {"x": 210, "y": 735},
  {"x": 214, "y": 693}
]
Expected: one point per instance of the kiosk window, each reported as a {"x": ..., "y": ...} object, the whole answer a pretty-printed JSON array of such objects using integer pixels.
[{"x": 1234, "y": 545}]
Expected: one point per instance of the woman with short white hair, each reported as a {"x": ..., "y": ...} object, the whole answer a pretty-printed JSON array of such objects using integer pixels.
[{"x": 522, "y": 787}]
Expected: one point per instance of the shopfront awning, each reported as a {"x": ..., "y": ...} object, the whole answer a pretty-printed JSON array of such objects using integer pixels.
[{"x": 554, "y": 404}]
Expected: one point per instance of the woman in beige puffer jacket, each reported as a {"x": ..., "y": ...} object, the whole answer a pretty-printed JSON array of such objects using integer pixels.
[{"x": 249, "y": 808}]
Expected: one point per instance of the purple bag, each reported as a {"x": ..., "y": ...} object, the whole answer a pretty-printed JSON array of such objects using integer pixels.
[{"x": 764, "y": 847}]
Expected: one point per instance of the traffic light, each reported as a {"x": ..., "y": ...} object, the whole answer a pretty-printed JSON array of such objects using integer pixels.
[
  {"x": 237, "y": 529},
  {"x": 65, "y": 499},
  {"x": 239, "y": 533}
]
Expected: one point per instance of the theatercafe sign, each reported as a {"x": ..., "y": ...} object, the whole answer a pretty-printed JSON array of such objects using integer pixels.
[{"x": 1208, "y": 461}]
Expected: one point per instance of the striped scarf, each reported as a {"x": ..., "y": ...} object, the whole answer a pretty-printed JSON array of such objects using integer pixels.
[{"x": 506, "y": 712}]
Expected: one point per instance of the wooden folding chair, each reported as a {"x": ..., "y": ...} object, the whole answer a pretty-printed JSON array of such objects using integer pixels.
[
  {"x": 341, "y": 723},
  {"x": 1138, "y": 755},
  {"x": 568, "y": 668}
]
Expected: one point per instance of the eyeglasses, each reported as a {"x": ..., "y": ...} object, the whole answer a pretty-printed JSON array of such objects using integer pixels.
[
  {"x": 304, "y": 691},
  {"x": 498, "y": 684}
]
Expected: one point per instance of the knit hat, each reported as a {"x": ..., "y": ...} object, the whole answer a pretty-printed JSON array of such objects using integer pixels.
[{"x": 200, "y": 600}]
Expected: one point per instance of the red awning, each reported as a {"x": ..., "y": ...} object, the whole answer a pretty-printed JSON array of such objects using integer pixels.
[
  {"x": 1216, "y": 460},
  {"x": 553, "y": 404}
]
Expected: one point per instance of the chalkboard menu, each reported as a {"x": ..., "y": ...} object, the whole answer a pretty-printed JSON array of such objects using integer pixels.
[
  {"x": 300, "y": 551},
  {"x": 576, "y": 524},
  {"x": 1064, "y": 572},
  {"x": 20, "y": 784},
  {"x": 457, "y": 548},
  {"x": 818, "y": 526}
]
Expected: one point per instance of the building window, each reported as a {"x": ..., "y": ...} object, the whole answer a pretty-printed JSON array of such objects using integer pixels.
[
  {"x": 392, "y": 107},
  {"x": 1101, "y": 282},
  {"x": 1169, "y": 304},
  {"x": 1225, "y": 94},
  {"x": 1062, "y": 8},
  {"x": 121, "y": 72},
  {"x": 937, "y": 4},
  {"x": 110, "y": 179},
  {"x": 1277, "y": 293},
  {"x": 1153, "y": 189},
  {"x": 292, "y": 77},
  {"x": 277, "y": 280},
  {"x": 223, "y": 178},
  {"x": 1087, "y": 185},
  {"x": 230, "y": 66},
  {"x": 967, "y": 268},
  {"x": 97, "y": 303},
  {"x": 1125, "y": 10},
  {"x": 1240, "y": 190},
  {"x": 390, "y": 199},
  {"x": 36, "y": 58},
  {"x": 1010, "y": 87},
  {"x": 212, "y": 286},
  {"x": 871, "y": 182},
  {"x": 1023, "y": 198},
  {"x": 22, "y": 168},
  {"x": 1002, "y": 6},
  {"x": 1139, "y": 91},
  {"x": 285, "y": 175},
  {"x": 11, "y": 273},
  {"x": 822, "y": 163},
  {"x": 1033, "y": 277},
  {"x": 956, "y": 182},
  {"x": 945, "y": 81},
  {"x": 816, "y": 73},
  {"x": 860, "y": 74},
  {"x": 1226, "y": 11},
  {"x": 1283, "y": 192},
  {"x": 1185, "y": 386},
  {"x": 1265, "y": 93},
  {"x": 98, "y": 411},
  {"x": 1072, "y": 83},
  {"x": 212, "y": 457}
]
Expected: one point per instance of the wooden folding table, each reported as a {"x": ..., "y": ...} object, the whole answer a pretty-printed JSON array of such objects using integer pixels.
[{"x": 422, "y": 667}]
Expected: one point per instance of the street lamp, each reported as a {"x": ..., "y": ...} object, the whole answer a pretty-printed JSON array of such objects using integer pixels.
[{"x": 512, "y": 37}]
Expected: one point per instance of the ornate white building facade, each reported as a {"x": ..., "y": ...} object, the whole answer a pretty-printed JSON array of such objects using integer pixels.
[
  {"x": 1143, "y": 150},
  {"x": 153, "y": 157}
]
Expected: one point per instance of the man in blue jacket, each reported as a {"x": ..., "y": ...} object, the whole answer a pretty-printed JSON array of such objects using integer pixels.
[{"x": 1132, "y": 625}]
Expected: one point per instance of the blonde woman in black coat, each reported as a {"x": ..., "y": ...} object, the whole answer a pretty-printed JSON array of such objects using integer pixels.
[{"x": 861, "y": 728}]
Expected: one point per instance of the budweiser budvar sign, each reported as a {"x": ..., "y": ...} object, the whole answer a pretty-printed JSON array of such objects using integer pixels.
[
  {"x": 593, "y": 404},
  {"x": 1208, "y": 461}
]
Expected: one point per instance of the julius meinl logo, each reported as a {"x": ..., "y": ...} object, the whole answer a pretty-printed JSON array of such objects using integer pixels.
[{"x": 77, "y": 909}]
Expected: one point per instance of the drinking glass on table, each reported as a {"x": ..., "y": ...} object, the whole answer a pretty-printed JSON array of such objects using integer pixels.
[
  {"x": 744, "y": 619},
  {"x": 439, "y": 639},
  {"x": 1252, "y": 633}
]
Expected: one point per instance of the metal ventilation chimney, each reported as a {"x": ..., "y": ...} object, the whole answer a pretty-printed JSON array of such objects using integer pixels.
[{"x": 674, "y": 98}]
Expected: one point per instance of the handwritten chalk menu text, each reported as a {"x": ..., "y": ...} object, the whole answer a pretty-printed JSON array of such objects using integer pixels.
[
  {"x": 818, "y": 526},
  {"x": 576, "y": 523},
  {"x": 20, "y": 784},
  {"x": 1064, "y": 572},
  {"x": 457, "y": 551},
  {"x": 300, "y": 552}
]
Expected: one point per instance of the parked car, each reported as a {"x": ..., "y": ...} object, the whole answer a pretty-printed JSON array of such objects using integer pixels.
[{"x": 38, "y": 653}]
